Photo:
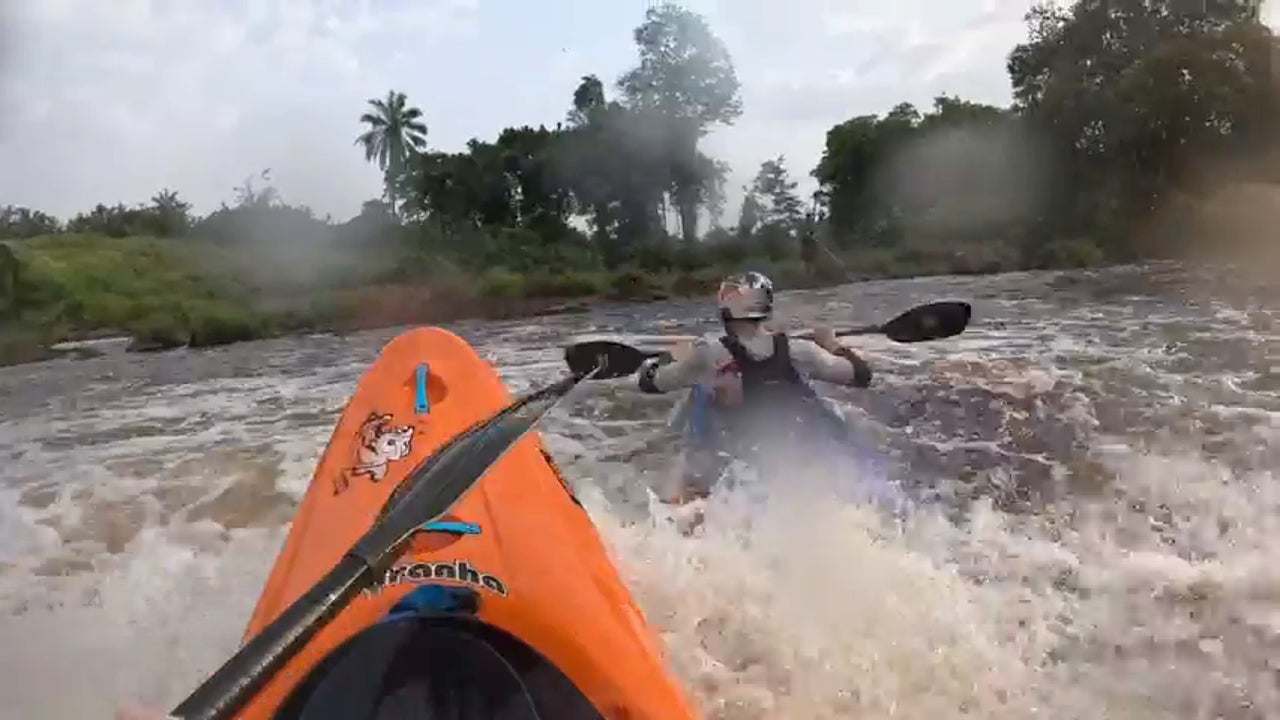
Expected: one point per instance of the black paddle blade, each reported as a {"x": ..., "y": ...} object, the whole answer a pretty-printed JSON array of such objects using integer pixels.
[
  {"x": 929, "y": 322},
  {"x": 614, "y": 359}
]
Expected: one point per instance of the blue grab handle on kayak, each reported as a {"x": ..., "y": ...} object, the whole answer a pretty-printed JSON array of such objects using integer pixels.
[
  {"x": 455, "y": 527},
  {"x": 434, "y": 598},
  {"x": 423, "y": 404}
]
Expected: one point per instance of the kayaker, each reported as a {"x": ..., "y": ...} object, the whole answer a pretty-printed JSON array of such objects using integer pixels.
[{"x": 756, "y": 377}]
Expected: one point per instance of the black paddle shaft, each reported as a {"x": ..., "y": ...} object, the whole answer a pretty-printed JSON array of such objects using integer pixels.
[{"x": 430, "y": 491}]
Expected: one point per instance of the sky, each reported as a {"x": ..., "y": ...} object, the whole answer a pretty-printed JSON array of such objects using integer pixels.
[{"x": 112, "y": 100}]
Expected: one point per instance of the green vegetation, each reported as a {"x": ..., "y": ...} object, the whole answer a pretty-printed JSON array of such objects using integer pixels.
[
  {"x": 1126, "y": 116},
  {"x": 134, "y": 284}
]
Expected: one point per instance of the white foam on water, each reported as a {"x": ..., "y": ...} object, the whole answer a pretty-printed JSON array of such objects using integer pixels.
[
  {"x": 21, "y": 537},
  {"x": 1159, "y": 599},
  {"x": 800, "y": 607},
  {"x": 810, "y": 608},
  {"x": 147, "y": 624}
]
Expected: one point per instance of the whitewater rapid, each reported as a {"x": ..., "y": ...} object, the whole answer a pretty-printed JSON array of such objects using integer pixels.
[{"x": 1105, "y": 543}]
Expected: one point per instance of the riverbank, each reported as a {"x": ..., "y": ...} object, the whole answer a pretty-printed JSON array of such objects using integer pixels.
[{"x": 171, "y": 293}]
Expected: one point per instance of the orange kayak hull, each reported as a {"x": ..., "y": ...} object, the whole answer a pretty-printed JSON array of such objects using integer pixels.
[{"x": 541, "y": 570}]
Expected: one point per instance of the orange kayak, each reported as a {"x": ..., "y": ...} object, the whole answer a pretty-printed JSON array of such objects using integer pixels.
[{"x": 518, "y": 545}]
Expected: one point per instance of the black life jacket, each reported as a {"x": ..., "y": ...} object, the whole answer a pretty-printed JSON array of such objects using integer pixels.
[
  {"x": 774, "y": 374},
  {"x": 775, "y": 397}
]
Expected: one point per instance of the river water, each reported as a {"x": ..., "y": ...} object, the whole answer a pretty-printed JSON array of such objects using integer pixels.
[{"x": 1102, "y": 444}]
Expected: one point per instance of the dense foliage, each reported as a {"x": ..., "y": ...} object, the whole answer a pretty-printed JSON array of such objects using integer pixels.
[{"x": 1124, "y": 113}]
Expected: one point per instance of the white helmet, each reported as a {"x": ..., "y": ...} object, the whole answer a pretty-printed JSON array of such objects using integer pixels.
[{"x": 748, "y": 296}]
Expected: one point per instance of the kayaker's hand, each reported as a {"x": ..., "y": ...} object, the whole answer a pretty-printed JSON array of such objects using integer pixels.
[
  {"x": 138, "y": 712},
  {"x": 682, "y": 352},
  {"x": 727, "y": 391},
  {"x": 825, "y": 337}
]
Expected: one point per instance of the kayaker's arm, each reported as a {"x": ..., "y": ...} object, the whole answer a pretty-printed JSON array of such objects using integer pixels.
[
  {"x": 664, "y": 373},
  {"x": 839, "y": 365}
]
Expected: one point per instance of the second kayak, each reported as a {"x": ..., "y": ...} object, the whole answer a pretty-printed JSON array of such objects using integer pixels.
[{"x": 510, "y": 607}]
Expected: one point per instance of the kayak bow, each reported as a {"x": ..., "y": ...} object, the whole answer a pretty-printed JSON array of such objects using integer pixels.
[{"x": 431, "y": 477}]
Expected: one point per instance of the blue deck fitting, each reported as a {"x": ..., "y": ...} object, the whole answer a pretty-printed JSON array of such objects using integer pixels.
[
  {"x": 423, "y": 404},
  {"x": 452, "y": 526}
]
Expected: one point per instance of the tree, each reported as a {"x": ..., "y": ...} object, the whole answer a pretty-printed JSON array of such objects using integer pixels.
[
  {"x": 712, "y": 174},
  {"x": 446, "y": 187},
  {"x": 21, "y": 222},
  {"x": 748, "y": 215},
  {"x": 396, "y": 133},
  {"x": 588, "y": 101},
  {"x": 881, "y": 176},
  {"x": 783, "y": 207},
  {"x": 173, "y": 215},
  {"x": 686, "y": 83},
  {"x": 685, "y": 71},
  {"x": 1137, "y": 94},
  {"x": 852, "y": 166},
  {"x": 951, "y": 111},
  {"x": 247, "y": 196},
  {"x": 613, "y": 160}
]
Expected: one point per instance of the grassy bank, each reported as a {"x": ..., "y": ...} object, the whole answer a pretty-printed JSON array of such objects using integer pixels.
[
  {"x": 162, "y": 293},
  {"x": 170, "y": 293}
]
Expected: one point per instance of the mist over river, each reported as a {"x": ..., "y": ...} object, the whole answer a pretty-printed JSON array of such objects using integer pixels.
[{"x": 1101, "y": 443}]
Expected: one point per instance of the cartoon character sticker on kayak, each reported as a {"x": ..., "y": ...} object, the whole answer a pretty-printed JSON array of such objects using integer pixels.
[{"x": 381, "y": 443}]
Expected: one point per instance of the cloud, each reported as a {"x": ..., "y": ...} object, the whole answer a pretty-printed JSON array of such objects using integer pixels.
[{"x": 110, "y": 101}]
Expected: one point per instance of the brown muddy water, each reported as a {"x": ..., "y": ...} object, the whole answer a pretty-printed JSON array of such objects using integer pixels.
[{"x": 1104, "y": 542}]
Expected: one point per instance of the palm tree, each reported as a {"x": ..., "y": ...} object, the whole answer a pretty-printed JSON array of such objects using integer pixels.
[{"x": 395, "y": 133}]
